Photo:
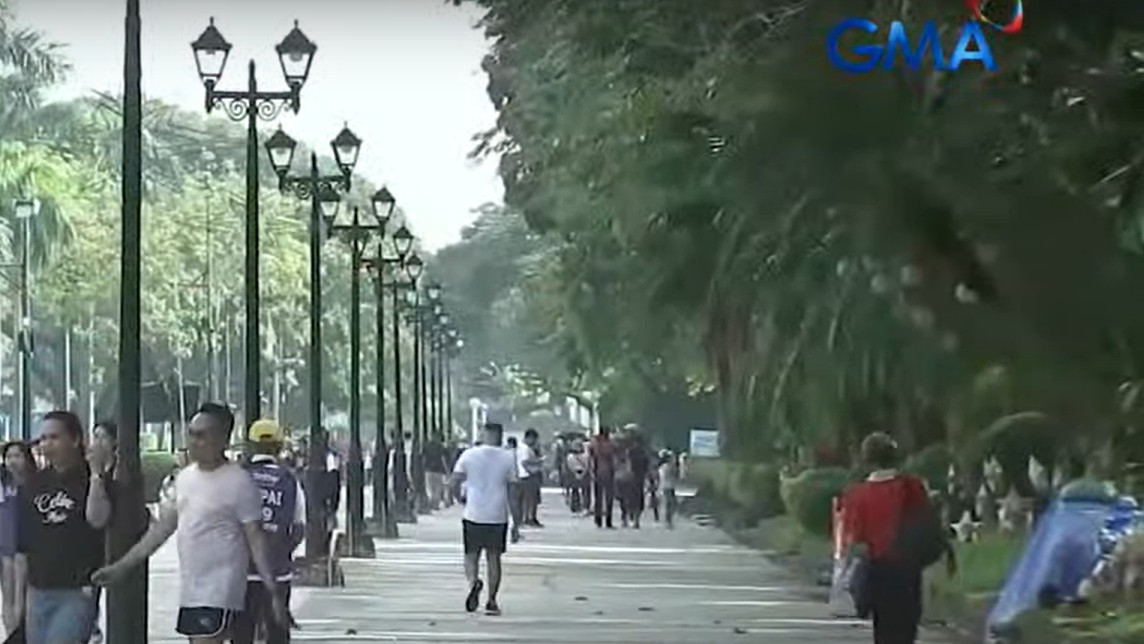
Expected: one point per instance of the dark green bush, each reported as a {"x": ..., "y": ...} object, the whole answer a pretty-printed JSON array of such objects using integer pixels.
[
  {"x": 757, "y": 490},
  {"x": 809, "y": 496},
  {"x": 156, "y": 467},
  {"x": 931, "y": 465}
]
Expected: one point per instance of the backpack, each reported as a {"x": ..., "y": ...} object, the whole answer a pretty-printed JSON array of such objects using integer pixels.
[{"x": 921, "y": 539}]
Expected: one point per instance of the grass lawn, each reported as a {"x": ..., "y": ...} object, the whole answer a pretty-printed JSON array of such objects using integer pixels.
[{"x": 964, "y": 598}]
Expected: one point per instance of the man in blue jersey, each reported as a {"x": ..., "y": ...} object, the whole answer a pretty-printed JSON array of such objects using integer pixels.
[{"x": 284, "y": 525}]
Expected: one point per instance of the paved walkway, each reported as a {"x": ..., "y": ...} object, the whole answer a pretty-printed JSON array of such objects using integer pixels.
[{"x": 566, "y": 583}]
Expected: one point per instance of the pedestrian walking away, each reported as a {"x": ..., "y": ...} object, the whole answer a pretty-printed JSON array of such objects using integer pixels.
[
  {"x": 484, "y": 474},
  {"x": 632, "y": 476},
  {"x": 577, "y": 468},
  {"x": 64, "y": 509},
  {"x": 283, "y": 527},
  {"x": 668, "y": 480},
  {"x": 217, "y": 510},
  {"x": 515, "y": 490},
  {"x": 602, "y": 454},
  {"x": 890, "y": 548},
  {"x": 531, "y": 478}
]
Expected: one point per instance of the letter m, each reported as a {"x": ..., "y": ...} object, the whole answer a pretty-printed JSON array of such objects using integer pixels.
[{"x": 897, "y": 40}]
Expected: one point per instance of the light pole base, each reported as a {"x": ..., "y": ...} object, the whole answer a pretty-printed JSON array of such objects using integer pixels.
[
  {"x": 422, "y": 504},
  {"x": 403, "y": 513},
  {"x": 323, "y": 572},
  {"x": 362, "y": 547},
  {"x": 383, "y": 529}
]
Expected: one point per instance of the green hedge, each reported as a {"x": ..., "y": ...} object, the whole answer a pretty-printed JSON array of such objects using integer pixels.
[
  {"x": 931, "y": 465},
  {"x": 156, "y": 467},
  {"x": 809, "y": 496},
  {"x": 753, "y": 489},
  {"x": 756, "y": 489}
]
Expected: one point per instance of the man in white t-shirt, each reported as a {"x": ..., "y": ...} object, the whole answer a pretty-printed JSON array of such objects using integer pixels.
[
  {"x": 481, "y": 479},
  {"x": 217, "y": 511}
]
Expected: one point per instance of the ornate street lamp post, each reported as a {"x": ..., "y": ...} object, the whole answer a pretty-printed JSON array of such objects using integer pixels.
[
  {"x": 356, "y": 234},
  {"x": 381, "y": 267},
  {"x": 25, "y": 210},
  {"x": 323, "y": 193},
  {"x": 127, "y": 600},
  {"x": 413, "y": 269},
  {"x": 453, "y": 346},
  {"x": 296, "y": 54},
  {"x": 440, "y": 335}
]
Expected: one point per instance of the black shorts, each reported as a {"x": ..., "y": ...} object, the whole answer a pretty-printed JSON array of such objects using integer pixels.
[
  {"x": 492, "y": 537},
  {"x": 204, "y": 621}
]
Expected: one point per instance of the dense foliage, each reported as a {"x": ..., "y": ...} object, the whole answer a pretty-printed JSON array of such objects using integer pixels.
[
  {"x": 718, "y": 209},
  {"x": 67, "y": 155}
]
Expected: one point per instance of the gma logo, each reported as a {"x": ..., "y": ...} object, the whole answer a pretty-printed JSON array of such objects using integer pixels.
[{"x": 869, "y": 53}]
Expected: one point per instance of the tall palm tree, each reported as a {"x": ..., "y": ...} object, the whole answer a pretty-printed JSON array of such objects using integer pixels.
[{"x": 28, "y": 64}]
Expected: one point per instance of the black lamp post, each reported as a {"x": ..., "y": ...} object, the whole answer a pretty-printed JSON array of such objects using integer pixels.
[
  {"x": 296, "y": 54},
  {"x": 323, "y": 193},
  {"x": 439, "y": 338},
  {"x": 25, "y": 210},
  {"x": 127, "y": 600},
  {"x": 453, "y": 346},
  {"x": 428, "y": 321},
  {"x": 432, "y": 387},
  {"x": 401, "y": 476},
  {"x": 381, "y": 267},
  {"x": 357, "y": 234}
]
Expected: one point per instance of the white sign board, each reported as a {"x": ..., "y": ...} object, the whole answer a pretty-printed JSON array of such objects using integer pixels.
[{"x": 704, "y": 443}]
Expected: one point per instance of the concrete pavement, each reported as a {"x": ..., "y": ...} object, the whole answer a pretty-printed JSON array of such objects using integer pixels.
[{"x": 566, "y": 583}]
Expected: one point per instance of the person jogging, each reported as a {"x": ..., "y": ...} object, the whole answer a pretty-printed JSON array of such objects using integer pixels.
[
  {"x": 218, "y": 514},
  {"x": 283, "y": 526},
  {"x": 481, "y": 479}
]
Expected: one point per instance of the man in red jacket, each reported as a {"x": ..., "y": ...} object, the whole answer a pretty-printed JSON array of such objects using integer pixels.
[{"x": 874, "y": 512}]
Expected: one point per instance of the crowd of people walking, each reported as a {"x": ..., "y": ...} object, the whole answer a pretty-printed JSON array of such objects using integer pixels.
[
  {"x": 611, "y": 466},
  {"x": 238, "y": 521}
]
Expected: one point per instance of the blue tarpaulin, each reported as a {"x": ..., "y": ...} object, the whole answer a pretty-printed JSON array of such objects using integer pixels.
[{"x": 1067, "y": 542}]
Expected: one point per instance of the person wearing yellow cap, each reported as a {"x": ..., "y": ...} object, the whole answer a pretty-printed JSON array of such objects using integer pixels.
[{"x": 284, "y": 525}]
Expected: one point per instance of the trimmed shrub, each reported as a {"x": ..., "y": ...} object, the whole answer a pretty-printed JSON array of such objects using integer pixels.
[
  {"x": 809, "y": 496},
  {"x": 931, "y": 465},
  {"x": 156, "y": 467},
  {"x": 756, "y": 489}
]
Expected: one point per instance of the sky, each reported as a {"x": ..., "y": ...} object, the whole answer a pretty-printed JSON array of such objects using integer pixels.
[{"x": 404, "y": 74}]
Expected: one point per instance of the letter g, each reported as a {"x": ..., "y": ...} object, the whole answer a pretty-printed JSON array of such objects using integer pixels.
[{"x": 868, "y": 53}]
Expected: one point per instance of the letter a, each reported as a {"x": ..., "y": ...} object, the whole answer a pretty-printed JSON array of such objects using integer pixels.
[{"x": 971, "y": 32}]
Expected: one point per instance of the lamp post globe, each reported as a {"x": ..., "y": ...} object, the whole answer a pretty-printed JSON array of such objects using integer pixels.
[
  {"x": 403, "y": 243},
  {"x": 211, "y": 52},
  {"x": 346, "y": 146},
  {"x": 25, "y": 208},
  {"x": 383, "y": 203},
  {"x": 433, "y": 291},
  {"x": 414, "y": 267},
  {"x": 280, "y": 147},
  {"x": 296, "y": 52},
  {"x": 329, "y": 203}
]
